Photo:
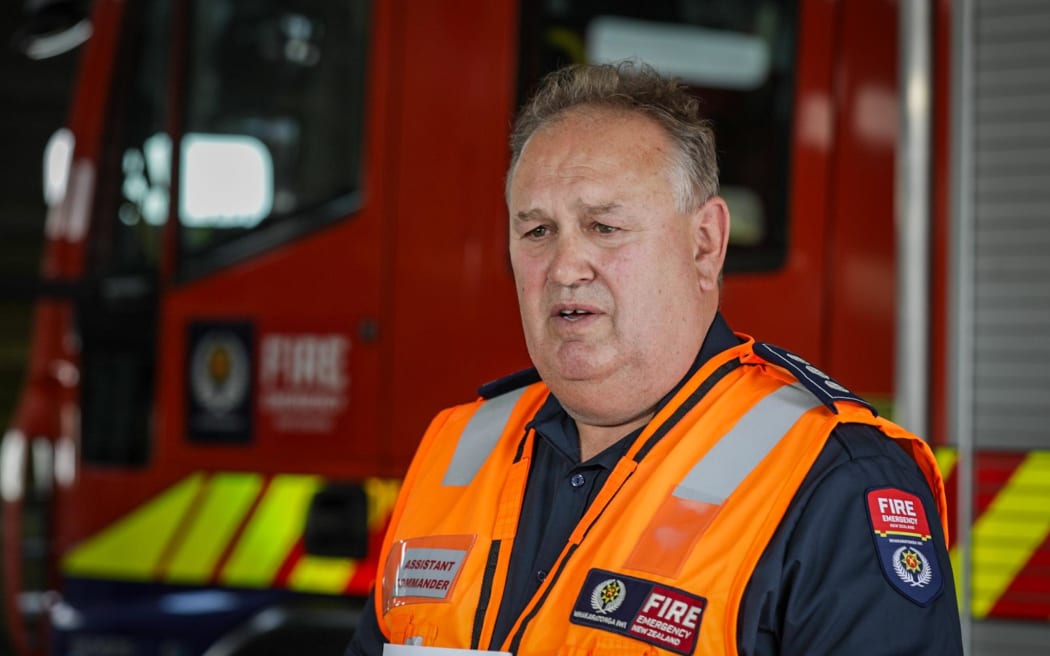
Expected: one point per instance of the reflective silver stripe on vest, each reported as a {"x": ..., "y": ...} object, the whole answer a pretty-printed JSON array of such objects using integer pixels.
[
  {"x": 740, "y": 450},
  {"x": 480, "y": 436}
]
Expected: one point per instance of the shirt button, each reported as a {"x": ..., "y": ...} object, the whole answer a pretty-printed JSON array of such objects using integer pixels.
[
  {"x": 577, "y": 480},
  {"x": 540, "y": 575}
]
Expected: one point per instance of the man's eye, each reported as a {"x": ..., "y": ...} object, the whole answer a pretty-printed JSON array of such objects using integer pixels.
[
  {"x": 603, "y": 229},
  {"x": 537, "y": 232}
]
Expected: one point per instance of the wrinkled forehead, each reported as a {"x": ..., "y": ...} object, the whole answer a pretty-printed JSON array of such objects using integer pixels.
[{"x": 589, "y": 135}]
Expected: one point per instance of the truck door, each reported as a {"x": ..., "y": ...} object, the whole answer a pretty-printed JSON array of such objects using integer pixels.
[
  {"x": 228, "y": 237},
  {"x": 272, "y": 317}
]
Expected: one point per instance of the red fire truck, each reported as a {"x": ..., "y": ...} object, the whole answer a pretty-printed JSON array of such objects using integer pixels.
[{"x": 277, "y": 246}]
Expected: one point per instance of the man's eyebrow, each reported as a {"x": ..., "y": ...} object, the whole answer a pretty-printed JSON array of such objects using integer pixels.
[
  {"x": 585, "y": 209},
  {"x": 597, "y": 210},
  {"x": 535, "y": 214}
]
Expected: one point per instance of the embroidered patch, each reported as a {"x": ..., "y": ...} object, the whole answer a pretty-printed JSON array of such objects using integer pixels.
[
  {"x": 665, "y": 617},
  {"x": 816, "y": 381},
  {"x": 903, "y": 545}
]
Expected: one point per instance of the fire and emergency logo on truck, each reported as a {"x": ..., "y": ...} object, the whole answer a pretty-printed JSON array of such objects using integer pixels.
[
  {"x": 297, "y": 382},
  {"x": 219, "y": 381}
]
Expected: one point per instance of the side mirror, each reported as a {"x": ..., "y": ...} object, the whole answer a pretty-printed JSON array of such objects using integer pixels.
[{"x": 52, "y": 28}]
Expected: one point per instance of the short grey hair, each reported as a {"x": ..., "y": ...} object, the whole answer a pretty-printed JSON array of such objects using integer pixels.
[{"x": 633, "y": 87}]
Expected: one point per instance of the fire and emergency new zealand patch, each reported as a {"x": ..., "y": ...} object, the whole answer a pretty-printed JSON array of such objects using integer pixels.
[
  {"x": 903, "y": 544},
  {"x": 665, "y": 617}
]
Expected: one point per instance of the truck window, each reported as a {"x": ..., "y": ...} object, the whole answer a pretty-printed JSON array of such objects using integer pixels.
[
  {"x": 272, "y": 124},
  {"x": 737, "y": 55}
]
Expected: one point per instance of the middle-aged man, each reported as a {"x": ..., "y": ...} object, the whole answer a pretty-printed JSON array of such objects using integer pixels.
[{"x": 663, "y": 485}]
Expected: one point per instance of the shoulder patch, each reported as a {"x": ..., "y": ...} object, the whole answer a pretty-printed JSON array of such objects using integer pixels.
[
  {"x": 816, "y": 381},
  {"x": 518, "y": 379},
  {"x": 903, "y": 544}
]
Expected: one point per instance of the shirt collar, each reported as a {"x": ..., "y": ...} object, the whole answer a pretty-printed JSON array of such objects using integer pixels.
[{"x": 557, "y": 428}]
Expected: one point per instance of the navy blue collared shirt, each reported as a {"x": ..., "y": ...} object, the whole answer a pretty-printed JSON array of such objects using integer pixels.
[{"x": 818, "y": 588}]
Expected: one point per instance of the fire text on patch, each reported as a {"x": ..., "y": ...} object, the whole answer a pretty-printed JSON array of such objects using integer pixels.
[{"x": 665, "y": 617}]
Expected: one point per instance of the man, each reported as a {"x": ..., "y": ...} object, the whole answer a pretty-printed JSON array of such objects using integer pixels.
[{"x": 669, "y": 486}]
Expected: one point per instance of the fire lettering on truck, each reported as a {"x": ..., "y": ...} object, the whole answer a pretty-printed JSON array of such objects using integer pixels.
[{"x": 303, "y": 380}]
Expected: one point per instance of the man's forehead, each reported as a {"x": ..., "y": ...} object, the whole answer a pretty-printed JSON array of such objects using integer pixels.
[
  {"x": 570, "y": 154},
  {"x": 594, "y": 156}
]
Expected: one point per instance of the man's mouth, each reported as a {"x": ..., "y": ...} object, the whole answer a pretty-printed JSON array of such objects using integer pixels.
[
  {"x": 573, "y": 315},
  {"x": 573, "y": 312}
]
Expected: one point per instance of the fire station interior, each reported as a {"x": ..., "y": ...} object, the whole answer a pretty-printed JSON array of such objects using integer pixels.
[{"x": 984, "y": 272}]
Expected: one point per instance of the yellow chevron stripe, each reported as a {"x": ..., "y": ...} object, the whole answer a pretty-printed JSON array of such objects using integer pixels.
[
  {"x": 946, "y": 458},
  {"x": 270, "y": 535},
  {"x": 382, "y": 495},
  {"x": 132, "y": 547},
  {"x": 318, "y": 574},
  {"x": 1010, "y": 530},
  {"x": 227, "y": 498}
]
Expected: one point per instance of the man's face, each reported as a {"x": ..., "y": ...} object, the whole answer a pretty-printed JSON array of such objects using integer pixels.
[{"x": 616, "y": 285}]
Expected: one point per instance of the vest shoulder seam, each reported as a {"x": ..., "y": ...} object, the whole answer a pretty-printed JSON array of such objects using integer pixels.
[
  {"x": 509, "y": 383},
  {"x": 827, "y": 390}
]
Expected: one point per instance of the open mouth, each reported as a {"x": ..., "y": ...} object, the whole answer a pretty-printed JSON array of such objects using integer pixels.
[{"x": 573, "y": 315}]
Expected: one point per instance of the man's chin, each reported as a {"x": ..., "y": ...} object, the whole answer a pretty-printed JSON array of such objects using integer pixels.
[
  {"x": 586, "y": 386},
  {"x": 574, "y": 371}
]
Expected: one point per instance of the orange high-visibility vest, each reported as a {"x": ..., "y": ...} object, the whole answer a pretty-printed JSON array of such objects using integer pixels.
[{"x": 672, "y": 537}]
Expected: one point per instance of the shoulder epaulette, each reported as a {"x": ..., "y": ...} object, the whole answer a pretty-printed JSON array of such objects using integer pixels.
[
  {"x": 813, "y": 379},
  {"x": 507, "y": 383}
]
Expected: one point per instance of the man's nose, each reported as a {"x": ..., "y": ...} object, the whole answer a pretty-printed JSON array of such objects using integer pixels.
[{"x": 571, "y": 262}]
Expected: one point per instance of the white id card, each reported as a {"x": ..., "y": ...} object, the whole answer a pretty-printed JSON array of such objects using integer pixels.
[{"x": 409, "y": 650}]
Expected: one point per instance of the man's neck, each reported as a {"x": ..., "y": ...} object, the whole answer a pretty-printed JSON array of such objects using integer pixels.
[{"x": 595, "y": 439}]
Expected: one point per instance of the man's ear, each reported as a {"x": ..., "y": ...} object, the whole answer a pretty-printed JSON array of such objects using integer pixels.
[{"x": 711, "y": 241}]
